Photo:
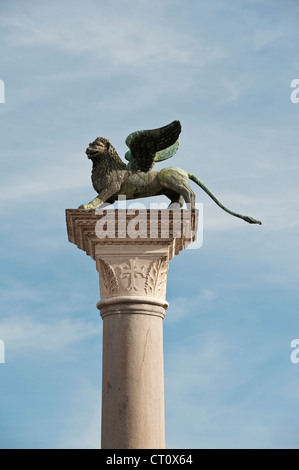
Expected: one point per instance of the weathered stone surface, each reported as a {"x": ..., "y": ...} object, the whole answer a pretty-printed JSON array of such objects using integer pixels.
[
  {"x": 81, "y": 227},
  {"x": 133, "y": 277}
]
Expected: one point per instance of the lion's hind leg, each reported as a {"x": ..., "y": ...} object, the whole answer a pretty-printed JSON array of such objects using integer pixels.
[
  {"x": 176, "y": 202},
  {"x": 177, "y": 180}
]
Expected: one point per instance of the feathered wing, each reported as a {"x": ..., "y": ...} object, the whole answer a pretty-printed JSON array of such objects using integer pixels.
[
  {"x": 148, "y": 146},
  {"x": 168, "y": 152}
]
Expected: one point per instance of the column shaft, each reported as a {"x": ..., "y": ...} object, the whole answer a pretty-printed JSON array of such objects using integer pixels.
[{"x": 133, "y": 378}]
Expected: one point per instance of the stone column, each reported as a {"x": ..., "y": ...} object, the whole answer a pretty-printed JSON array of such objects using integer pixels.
[{"x": 133, "y": 264}]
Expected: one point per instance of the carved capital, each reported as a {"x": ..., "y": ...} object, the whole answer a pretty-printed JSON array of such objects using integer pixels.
[
  {"x": 108, "y": 280},
  {"x": 156, "y": 278},
  {"x": 131, "y": 276},
  {"x": 132, "y": 267}
]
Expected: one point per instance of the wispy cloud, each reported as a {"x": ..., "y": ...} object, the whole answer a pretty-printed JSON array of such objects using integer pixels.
[
  {"x": 77, "y": 70},
  {"x": 18, "y": 291},
  {"x": 231, "y": 91},
  {"x": 52, "y": 175},
  {"x": 24, "y": 333},
  {"x": 182, "y": 307},
  {"x": 124, "y": 38},
  {"x": 214, "y": 382},
  {"x": 263, "y": 38}
]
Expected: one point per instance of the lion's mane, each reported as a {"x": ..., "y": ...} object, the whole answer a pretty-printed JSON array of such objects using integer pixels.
[{"x": 107, "y": 160}]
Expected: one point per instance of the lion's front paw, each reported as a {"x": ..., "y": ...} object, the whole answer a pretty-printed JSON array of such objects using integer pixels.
[{"x": 85, "y": 206}]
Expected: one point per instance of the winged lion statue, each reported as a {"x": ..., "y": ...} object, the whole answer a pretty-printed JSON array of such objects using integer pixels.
[{"x": 112, "y": 177}]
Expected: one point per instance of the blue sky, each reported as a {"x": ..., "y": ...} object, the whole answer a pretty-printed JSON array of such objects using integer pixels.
[{"x": 76, "y": 70}]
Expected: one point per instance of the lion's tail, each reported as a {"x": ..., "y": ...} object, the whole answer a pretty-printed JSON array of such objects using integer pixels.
[{"x": 196, "y": 180}]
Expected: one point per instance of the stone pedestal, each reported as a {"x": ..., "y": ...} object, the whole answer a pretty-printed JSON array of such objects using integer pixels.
[{"x": 132, "y": 250}]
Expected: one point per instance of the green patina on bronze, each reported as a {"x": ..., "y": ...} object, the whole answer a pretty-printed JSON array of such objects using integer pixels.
[{"x": 111, "y": 177}]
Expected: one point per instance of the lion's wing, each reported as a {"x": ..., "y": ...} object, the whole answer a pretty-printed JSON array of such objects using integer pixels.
[{"x": 149, "y": 146}]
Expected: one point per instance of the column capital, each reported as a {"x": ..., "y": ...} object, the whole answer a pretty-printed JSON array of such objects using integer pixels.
[{"x": 132, "y": 249}]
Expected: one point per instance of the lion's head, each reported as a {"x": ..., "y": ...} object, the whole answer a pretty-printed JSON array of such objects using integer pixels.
[
  {"x": 102, "y": 150},
  {"x": 100, "y": 146}
]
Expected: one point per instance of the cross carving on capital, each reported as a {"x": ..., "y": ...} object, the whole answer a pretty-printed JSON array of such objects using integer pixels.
[{"x": 131, "y": 271}]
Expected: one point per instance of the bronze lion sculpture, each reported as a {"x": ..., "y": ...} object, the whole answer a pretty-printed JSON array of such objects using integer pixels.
[{"x": 111, "y": 177}]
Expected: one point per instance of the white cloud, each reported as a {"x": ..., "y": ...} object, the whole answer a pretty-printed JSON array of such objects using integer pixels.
[
  {"x": 23, "y": 333},
  {"x": 18, "y": 291},
  {"x": 231, "y": 91},
  {"x": 265, "y": 37},
  {"x": 122, "y": 34},
  {"x": 220, "y": 389},
  {"x": 182, "y": 307},
  {"x": 53, "y": 175}
]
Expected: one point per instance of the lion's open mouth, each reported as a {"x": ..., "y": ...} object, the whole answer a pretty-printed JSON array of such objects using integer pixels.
[{"x": 91, "y": 152}]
